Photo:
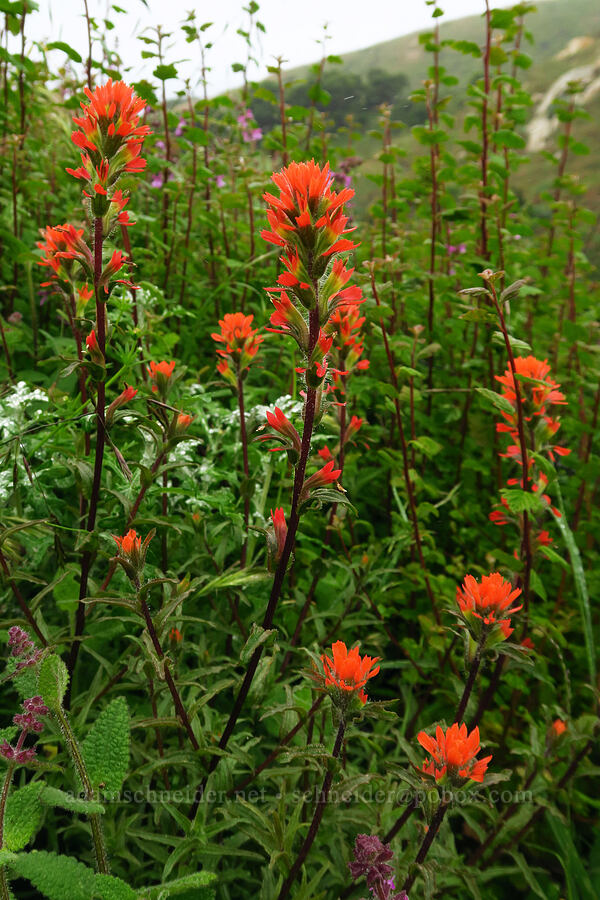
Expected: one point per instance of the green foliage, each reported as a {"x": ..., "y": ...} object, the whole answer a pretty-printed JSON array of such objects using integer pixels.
[
  {"x": 106, "y": 747},
  {"x": 23, "y": 816},
  {"x": 53, "y": 680}
]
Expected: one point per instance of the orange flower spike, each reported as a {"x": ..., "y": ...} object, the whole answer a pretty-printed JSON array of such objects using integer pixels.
[
  {"x": 109, "y": 129},
  {"x": 453, "y": 754},
  {"x": 486, "y": 607},
  {"x": 132, "y": 554},
  {"x": 347, "y": 672},
  {"x": 558, "y": 727},
  {"x": 277, "y": 538},
  {"x": 307, "y": 218},
  {"x": 240, "y": 339},
  {"x": 124, "y": 397},
  {"x": 160, "y": 374}
]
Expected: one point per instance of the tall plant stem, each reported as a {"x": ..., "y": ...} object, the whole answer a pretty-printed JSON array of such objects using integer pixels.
[
  {"x": 526, "y": 537},
  {"x": 483, "y": 248},
  {"x": 21, "y": 600},
  {"x": 405, "y": 460},
  {"x": 244, "y": 440},
  {"x": 4, "y": 889},
  {"x": 179, "y": 707},
  {"x": 78, "y": 762},
  {"x": 88, "y": 62},
  {"x": 294, "y": 519},
  {"x": 11, "y": 376},
  {"x": 316, "y": 820},
  {"x": 282, "y": 118},
  {"x": 468, "y": 689},
  {"x": 86, "y": 560},
  {"x": 427, "y": 842},
  {"x": 433, "y": 161},
  {"x": 282, "y": 743}
]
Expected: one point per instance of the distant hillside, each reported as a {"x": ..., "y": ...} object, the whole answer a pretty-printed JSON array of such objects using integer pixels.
[{"x": 566, "y": 46}]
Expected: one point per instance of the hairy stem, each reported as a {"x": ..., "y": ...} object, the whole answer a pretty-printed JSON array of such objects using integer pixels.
[{"x": 316, "y": 820}]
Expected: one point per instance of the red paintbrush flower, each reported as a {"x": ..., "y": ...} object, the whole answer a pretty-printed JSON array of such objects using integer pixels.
[
  {"x": 280, "y": 532},
  {"x": 347, "y": 671},
  {"x": 489, "y": 604},
  {"x": 160, "y": 373},
  {"x": 132, "y": 553},
  {"x": 62, "y": 246},
  {"x": 326, "y": 475},
  {"x": 453, "y": 753},
  {"x": 307, "y": 218},
  {"x": 286, "y": 435},
  {"x": 240, "y": 339},
  {"x": 110, "y": 130}
]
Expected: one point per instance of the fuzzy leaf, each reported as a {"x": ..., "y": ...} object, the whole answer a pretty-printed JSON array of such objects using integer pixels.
[
  {"x": 53, "y": 679},
  {"x": 106, "y": 748},
  {"x": 51, "y": 796},
  {"x": 199, "y": 882},
  {"x": 108, "y": 887},
  {"x": 498, "y": 400},
  {"x": 57, "y": 877},
  {"x": 23, "y": 816}
]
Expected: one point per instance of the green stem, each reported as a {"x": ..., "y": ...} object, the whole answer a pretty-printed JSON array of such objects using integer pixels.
[
  {"x": 4, "y": 891},
  {"x": 78, "y": 761}
]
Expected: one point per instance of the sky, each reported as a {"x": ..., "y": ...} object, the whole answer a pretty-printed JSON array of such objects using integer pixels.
[{"x": 292, "y": 30}]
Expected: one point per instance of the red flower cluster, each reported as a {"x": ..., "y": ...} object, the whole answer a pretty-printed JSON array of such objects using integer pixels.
[
  {"x": 488, "y": 603},
  {"x": 453, "y": 754},
  {"x": 286, "y": 435},
  {"x": 62, "y": 245},
  {"x": 160, "y": 373},
  {"x": 307, "y": 212},
  {"x": 538, "y": 394},
  {"x": 110, "y": 137},
  {"x": 277, "y": 537},
  {"x": 348, "y": 671},
  {"x": 241, "y": 345},
  {"x": 132, "y": 553}
]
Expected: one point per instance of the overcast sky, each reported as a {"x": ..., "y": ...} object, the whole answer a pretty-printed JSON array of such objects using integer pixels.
[{"x": 293, "y": 28}]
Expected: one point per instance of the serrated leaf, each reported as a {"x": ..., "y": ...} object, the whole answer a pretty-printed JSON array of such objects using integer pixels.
[
  {"x": 199, "y": 881},
  {"x": 51, "y": 796},
  {"x": 106, "y": 748},
  {"x": 57, "y": 877},
  {"x": 23, "y": 816},
  {"x": 108, "y": 887},
  {"x": 522, "y": 501},
  {"x": 53, "y": 679},
  {"x": 165, "y": 72}
]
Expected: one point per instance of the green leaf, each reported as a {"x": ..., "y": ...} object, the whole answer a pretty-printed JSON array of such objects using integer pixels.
[
  {"x": 23, "y": 816},
  {"x": 257, "y": 636},
  {"x": 232, "y": 579},
  {"x": 165, "y": 72},
  {"x": 427, "y": 446},
  {"x": 579, "y": 886},
  {"x": 51, "y": 796},
  {"x": 57, "y": 877},
  {"x": 60, "y": 45},
  {"x": 53, "y": 679},
  {"x": 200, "y": 882},
  {"x": 106, "y": 748},
  {"x": 522, "y": 501},
  {"x": 506, "y": 138},
  {"x": 108, "y": 887},
  {"x": 496, "y": 399},
  {"x": 580, "y": 586}
]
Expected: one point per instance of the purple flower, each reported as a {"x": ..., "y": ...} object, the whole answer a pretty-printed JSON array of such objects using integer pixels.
[
  {"x": 370, "y": 859},
  {"x": 157, "y": 181},
  {"x": 254, "y": 135},
  {"x": 160, "y": 145},
  {"x": 219, "y": 181},
  {"x": 459, "y": 248},
  {"x": 245, "y": 117},
  {"x": 15, "y": 317},
  {"x": 180, "y": 126}
]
